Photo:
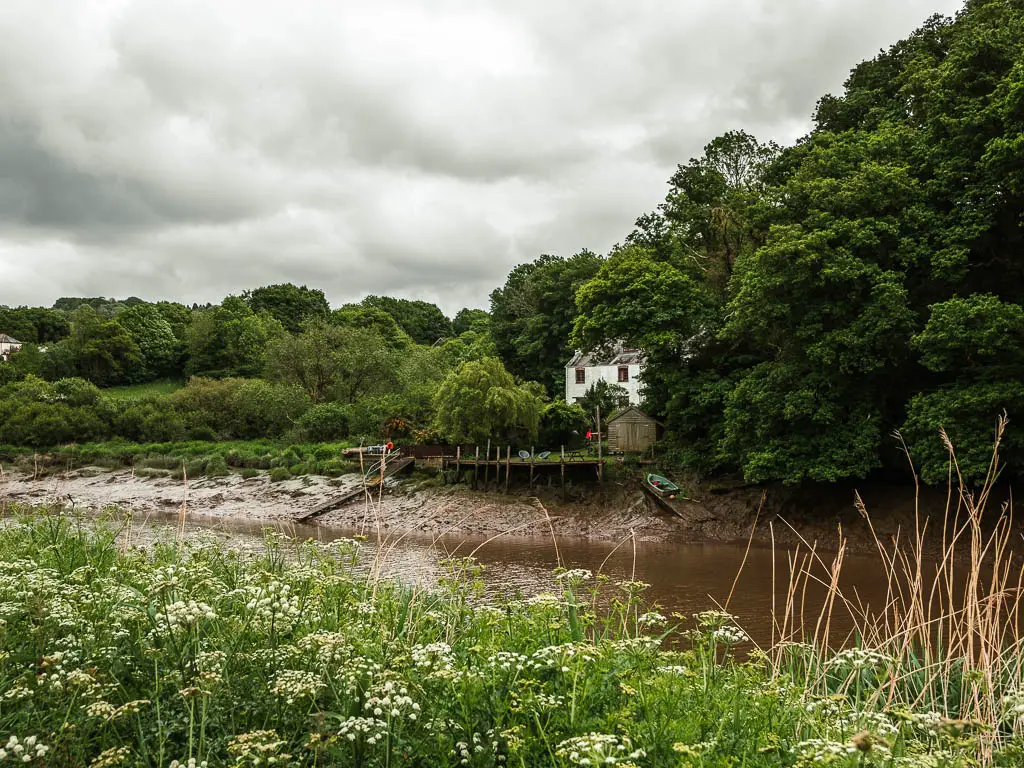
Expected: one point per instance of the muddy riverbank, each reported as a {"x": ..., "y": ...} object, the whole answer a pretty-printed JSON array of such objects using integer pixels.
[{"x": 613, "y": 512}]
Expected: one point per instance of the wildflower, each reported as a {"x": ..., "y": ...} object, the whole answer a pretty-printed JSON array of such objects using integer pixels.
[
  {"x": 651, "y": 620},
  {"x": 432, "y": 657},
  {"x": 258, "y": 748},
  {"x": 190, "y": 763},
  {"x": 369, "y": 729},
  {"x": 859, "y": 659},
  {"x": 574, "y": 576},
  {"x": 115, "y": 756},
  {"x": 24, "y": 750},
  {"x": 598, "y": 749},
  {"x": 292, "y": 685}
]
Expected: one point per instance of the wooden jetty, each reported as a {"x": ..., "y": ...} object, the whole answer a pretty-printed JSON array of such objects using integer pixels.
[
  {"x": 529, "y": 463},
  {"x": 371, "y": 480}
]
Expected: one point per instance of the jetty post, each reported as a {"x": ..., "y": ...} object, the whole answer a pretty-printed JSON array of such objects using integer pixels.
[
  {"x": 533, "y": 458},
  {"x": 563, "y": 472},
  {"x": 476, "y": 468},
  {"x": 508, "y": 465},
  {"x": 458, "y": 462},
  {"x": 487, "y": 464}
]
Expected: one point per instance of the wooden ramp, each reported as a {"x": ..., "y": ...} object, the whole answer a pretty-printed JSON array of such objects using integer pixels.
[
  {"x": 371, "y": 480},
  {"x": 669, "y": 505}
]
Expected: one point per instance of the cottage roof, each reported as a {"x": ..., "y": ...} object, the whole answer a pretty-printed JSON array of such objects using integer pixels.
[
  {"x": 615, "y": 355},
  {"x": 5, "y": 339}
]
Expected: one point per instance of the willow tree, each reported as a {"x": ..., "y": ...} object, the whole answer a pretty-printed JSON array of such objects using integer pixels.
[{"x": 481, "y": 401}]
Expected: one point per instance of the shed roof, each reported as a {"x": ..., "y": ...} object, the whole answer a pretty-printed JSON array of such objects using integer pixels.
[
  {"x": 5, "y": 339},
  {"x": 632, "y": 408},
  {"x": 614, "y": 355}
]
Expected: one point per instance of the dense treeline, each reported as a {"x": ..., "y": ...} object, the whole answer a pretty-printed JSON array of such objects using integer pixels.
[
  {"x": 800, "y": 304},
  {"x": 274, "y": 363},
  {"x": 797, "y": 304}
]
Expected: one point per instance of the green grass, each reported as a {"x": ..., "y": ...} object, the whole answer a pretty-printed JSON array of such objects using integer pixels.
[
  {"x": 292, "y": 656},
  {"x": 197, "y": 456},
  {"x": 152, "y": 389}
]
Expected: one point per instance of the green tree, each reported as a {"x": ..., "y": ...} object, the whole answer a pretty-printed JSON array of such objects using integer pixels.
[
  {"x": 160, "y": 348},
  {"x": 424, "y": 322},
  {"x": 229, "y": 340},
  {"x": 481, "y": 401},
  {"x": 532, "y": 316},
  {"x": 291, "y": 305},
  {"x": 563, "y": 424},
  {"x": 333, "y": 363},
  {"x": 468, "y": 319}
]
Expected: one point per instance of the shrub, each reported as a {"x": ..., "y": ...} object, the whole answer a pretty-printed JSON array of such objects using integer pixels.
[
  {"x": 278, "y": 474},
  {"x": 248, "y": 473},
  {"x": 217, "y": 467},
  {"x": 324, "y": 422}
]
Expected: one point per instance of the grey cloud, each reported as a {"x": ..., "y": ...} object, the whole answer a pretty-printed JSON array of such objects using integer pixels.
[{"x": 188, "y": 149}]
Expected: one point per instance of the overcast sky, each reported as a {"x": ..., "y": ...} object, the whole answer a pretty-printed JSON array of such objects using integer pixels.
[{"x": 185, "y": 150}]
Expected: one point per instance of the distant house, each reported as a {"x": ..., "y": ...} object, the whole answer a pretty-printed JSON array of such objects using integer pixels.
[
  {"x": 8, "y": 346},
  {"x": 621, "y": 365},
  {"x": 632, "y": 431}
]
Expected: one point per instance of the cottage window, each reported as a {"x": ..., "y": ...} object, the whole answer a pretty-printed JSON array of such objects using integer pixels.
[
  {"x": 581, "y": 375},
  {"x": 623, "y": 373}
]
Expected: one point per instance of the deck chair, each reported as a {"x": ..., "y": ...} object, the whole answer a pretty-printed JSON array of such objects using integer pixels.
[
  {"x": 543, "y": 455},
  {"x": 524, "y": 455}
]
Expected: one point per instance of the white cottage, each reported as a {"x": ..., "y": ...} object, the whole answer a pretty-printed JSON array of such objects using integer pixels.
[
  {"x": 8, "y": 346},
  {"x": 621, "y": 365}
]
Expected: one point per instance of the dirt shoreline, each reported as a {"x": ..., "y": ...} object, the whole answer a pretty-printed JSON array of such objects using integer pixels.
[{"x": 617, "y": 511}]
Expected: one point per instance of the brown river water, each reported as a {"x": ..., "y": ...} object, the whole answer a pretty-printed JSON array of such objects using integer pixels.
[{"x": 684, "y": 578}]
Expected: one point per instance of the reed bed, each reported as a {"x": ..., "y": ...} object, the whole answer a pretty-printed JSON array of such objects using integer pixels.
[{"x": 943, "y": 649}]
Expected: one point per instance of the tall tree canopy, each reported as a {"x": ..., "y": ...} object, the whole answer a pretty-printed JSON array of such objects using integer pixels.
[
  {"x": 532, "y": 316},
  {"x": 291, "y": 305},
  {"x": 424, "y": 322}
]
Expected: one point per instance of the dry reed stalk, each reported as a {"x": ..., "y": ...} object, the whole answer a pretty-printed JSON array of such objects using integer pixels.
[{"x": 952, "y": 633}]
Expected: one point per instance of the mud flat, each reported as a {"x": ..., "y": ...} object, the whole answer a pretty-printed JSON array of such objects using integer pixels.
[
  {"x": 616, "y": 511},
  {"x": 404, "y": 505}
]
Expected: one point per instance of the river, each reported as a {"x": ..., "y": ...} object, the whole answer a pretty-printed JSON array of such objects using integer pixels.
[{"x": 684, "y": 578}]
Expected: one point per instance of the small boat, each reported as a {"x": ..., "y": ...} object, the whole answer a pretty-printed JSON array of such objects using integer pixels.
[{"x": 661, "y": 485}]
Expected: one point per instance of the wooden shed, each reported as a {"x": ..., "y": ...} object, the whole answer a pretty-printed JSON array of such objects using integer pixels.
[{"x": 632, "y": 431}]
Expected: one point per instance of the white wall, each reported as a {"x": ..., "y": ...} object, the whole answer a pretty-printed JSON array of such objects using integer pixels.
[
  {"x": 6, "y": 349},
  {"x": 609, "y": 373}
]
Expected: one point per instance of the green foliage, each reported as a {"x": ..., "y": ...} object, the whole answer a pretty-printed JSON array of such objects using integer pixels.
[
  {"x": 161, "y": 350},
  {"x": 230, "y": 340},
  {"x": 424, "y": 322},
  {"x": 372, "y": 318},
  {"x": 99, "y": 350},
  {"x": 239, "y": 408},
  {"x": 333, "y": 362},
  {"x": 606, "y": 396},
  {"x": 291, "y": 305},
  {"x": 34, "y": 325},
  {"x": 563, "y": 424},
  {"x": 324, "y": 422},
  {"x": 468, "y": 319},
  {"x": 798, "y": 305},
  {"x": 279, "y": 474},
  {"x": 481, "y": 400},
  {"x": 532, "y": 316}
]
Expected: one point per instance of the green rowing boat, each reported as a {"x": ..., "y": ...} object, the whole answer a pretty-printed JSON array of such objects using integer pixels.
[{"x": 661, "y": 485}]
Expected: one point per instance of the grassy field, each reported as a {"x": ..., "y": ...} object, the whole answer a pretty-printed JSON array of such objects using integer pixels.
[
  {"x": 153, "y": 388},
  {"x": 190, "y": 654}
]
